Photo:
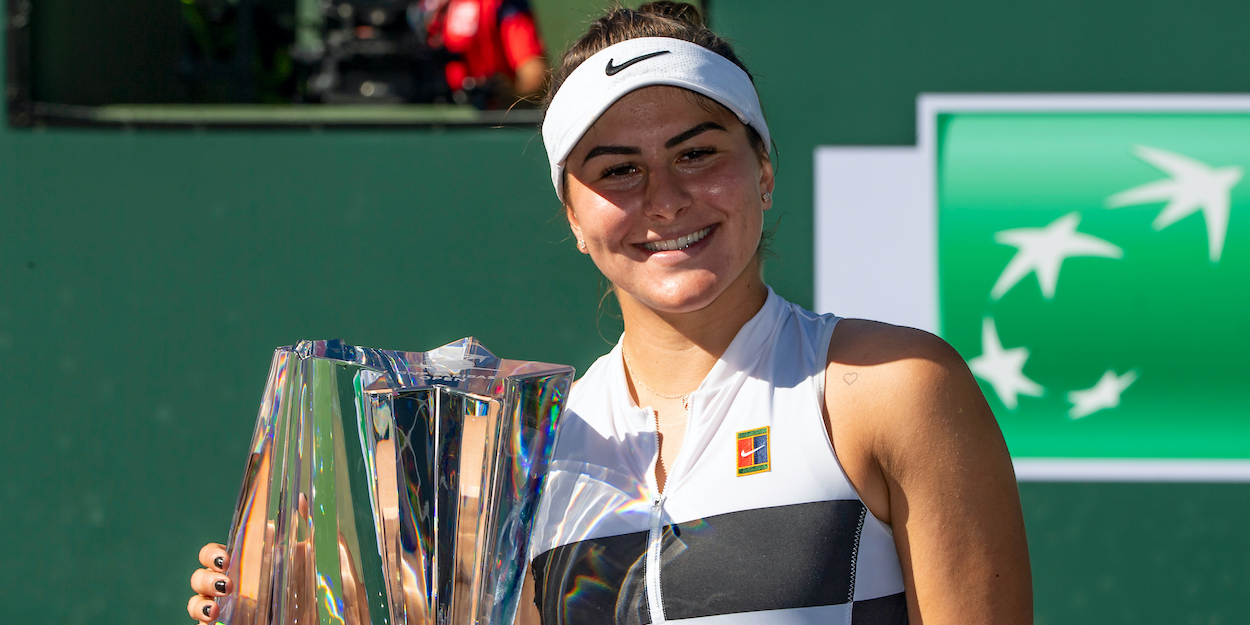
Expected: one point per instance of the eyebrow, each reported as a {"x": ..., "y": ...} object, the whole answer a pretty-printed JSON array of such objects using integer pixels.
[
  {"x": 692, "y": 133},
  {"x": 601, "y": 150}
]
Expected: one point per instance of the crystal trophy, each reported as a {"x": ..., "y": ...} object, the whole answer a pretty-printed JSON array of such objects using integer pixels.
[{"x": 391, "y": 488}]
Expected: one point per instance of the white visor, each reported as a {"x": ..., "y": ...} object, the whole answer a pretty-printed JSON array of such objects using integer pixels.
[{"x": 619, "y": 69}]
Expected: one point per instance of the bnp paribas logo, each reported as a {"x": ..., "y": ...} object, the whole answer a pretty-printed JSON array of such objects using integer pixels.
[
  {"x": 1094, "y": 269},
  {"x": 1192, "y": 187}
]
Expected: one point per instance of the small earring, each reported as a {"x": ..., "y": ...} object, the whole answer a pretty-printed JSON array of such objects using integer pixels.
[
  {"x": 767, "y": 197},
  {"x": 581, "y": 245}
]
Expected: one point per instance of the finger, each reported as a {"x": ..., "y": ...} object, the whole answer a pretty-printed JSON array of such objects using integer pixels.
[
  {"x": 202, "y": 608},
  {"x": 210, "y": 583},
  {"x": 214, "y": 556}
]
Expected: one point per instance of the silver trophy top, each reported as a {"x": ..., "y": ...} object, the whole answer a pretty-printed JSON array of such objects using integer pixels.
[{"x": 464, "y": 365}]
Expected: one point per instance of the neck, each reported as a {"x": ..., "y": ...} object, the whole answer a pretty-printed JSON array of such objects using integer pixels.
[{"x": 673, "y": 352}]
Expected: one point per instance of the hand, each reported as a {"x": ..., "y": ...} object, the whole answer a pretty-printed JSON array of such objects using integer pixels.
[
  {"x": 210, "y": 582},
  {"x": 530, "y": 75}
]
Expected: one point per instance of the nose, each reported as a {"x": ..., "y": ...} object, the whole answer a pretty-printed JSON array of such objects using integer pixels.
[{"x": 666, "y": 197}]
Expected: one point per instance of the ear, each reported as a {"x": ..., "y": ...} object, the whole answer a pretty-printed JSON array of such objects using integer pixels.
[
  {"x": 767, "y": 180},
  {"x": 574, "y": 225}
]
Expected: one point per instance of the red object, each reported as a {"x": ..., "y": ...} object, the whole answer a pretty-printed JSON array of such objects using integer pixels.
[
  {"x": 746, "y": 452},
  {"x": 491, "y": 37},
  {"x": 753, "y": 451}
]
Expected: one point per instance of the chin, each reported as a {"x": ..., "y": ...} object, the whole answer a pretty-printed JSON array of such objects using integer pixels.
[{"x": 682, "y": 297}]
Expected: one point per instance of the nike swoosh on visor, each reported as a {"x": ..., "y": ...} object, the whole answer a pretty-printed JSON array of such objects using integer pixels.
[{"x": 612, "y": 70}]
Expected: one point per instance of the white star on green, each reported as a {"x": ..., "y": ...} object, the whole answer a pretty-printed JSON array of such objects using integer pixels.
[
  {"x": 1043, "y": 250},
  {"x": 1003, "y": 368}
]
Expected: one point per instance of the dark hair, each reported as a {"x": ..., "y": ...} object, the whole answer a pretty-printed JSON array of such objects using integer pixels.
[{"x": 676, "y": 20}]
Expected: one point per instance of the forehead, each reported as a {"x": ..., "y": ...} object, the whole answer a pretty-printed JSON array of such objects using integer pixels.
[{"x": 655, "y": 110}]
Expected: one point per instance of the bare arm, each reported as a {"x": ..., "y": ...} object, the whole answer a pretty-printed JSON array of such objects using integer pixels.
[
  {"x": 527, "y": 612},
  {"x": 923, "y": 449}
]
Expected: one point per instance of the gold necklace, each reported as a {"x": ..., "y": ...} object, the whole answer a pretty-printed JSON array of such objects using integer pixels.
[{"x": 685, "y": 399}]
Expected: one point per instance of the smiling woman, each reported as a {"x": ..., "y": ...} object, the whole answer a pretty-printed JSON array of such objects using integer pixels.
[
  {"x": 668, "y": 197},
  {"x": 736, "y": 459}
]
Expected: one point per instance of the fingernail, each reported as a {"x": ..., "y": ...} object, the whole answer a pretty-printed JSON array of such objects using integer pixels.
[
  {"x": 220, "y": 585},
  {"x": 208, "y": 609},
  {"x": 219, "y": 562}
]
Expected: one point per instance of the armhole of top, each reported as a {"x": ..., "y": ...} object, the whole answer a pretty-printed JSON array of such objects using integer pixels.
[
  {"x": 826, "y": 337},
  {"x": 826, "y": 427},
  {"x": 822, "y": 406}
]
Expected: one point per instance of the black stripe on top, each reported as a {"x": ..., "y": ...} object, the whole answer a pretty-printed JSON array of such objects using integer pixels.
[
  {"x": 887, "y": 610},
  {"x": 795, "y": 556}
]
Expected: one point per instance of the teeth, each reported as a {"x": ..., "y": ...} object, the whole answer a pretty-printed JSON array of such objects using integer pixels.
[{"x": 679, "y": 243}]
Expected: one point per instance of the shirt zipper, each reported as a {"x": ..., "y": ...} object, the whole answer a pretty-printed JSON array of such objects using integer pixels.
[
  {"x": 655, "y": 532},
  {"x": 655, "y": 535}
]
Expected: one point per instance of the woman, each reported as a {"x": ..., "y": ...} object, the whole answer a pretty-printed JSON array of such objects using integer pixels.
[{"x": 736, "y": 458}]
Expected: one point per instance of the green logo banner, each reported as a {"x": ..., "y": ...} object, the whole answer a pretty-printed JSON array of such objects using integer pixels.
[{"x": 1094, "y": 270}]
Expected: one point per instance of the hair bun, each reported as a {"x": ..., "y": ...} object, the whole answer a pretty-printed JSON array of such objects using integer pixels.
[
  {"x": 675, "y": 20},
  {"x": 680, "y": 11}
]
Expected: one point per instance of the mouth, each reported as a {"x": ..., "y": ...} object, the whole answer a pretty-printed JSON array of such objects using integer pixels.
[{"x": 680, "y": 243}]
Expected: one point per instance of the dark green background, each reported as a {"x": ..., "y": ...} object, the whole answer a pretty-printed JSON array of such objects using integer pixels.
[{"x": 144, "y": 277}]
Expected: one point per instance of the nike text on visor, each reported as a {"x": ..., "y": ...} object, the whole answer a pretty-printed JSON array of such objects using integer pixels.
[{"x": 619, "y": 69}]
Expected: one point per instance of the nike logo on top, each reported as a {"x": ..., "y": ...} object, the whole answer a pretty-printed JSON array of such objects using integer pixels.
[
  {"x": 747, "y": 454},
  {"x": 752, "y": 451},
  {"x": 612, "y": 70}
]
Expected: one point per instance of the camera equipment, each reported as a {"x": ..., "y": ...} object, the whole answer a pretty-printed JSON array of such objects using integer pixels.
[{"x": 363, "y": 51}]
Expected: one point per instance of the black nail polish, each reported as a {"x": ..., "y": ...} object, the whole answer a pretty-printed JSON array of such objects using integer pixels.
[
  {"x": 219, "y": 562},
  {"x": 220, "y": 585},
  {"x": 208, "y": 609}
]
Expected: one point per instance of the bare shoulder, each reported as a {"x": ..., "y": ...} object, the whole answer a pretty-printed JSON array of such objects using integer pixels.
[
  {"x": 902, "y": 390},
  {"x": 899, "y": 361},
  {"x": 857, "y": 341}
]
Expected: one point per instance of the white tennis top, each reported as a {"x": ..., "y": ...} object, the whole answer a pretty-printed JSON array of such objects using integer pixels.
[{"x": 758, "y": 522}]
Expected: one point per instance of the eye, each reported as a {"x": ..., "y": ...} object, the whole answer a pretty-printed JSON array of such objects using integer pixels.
[
  {"x": 697, "y": 153},
  {"x": 618, "y": 170}
]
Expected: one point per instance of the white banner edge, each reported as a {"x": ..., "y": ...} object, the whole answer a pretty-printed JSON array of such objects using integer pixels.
[{"x": 1158, "y": 470}]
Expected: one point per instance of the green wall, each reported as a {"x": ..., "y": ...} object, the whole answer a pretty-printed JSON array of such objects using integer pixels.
[{"x": 145, "y": 276}]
